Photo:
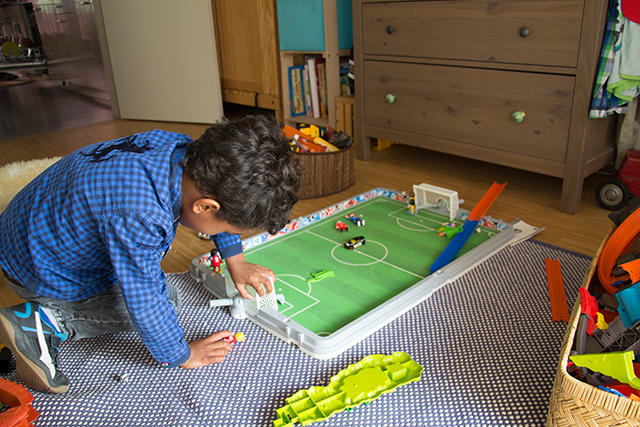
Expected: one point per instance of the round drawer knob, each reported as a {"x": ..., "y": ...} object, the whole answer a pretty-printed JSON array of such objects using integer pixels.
[
  {"x": 390, "y": 29},
  {"x": 390, "y": 98},
  {"x": 525, "y": 32},
  {"x": 518, "y": 116}
]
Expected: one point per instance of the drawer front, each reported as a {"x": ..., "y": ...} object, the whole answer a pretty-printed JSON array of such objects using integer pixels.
[
  {"x": 539, "y": 32},
  {"x": 473, "y": 106}
]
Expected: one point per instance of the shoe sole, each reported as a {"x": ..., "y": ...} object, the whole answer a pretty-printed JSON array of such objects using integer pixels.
[{"x": 31, "y": 374}]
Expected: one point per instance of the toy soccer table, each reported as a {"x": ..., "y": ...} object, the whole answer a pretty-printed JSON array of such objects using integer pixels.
[{"x": 371, "y": 285}]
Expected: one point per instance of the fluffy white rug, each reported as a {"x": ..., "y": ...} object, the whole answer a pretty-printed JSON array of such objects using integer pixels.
[{"x": 14, "y": 176}]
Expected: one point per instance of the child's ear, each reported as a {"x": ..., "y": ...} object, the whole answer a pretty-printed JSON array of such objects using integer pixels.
[{"x": 203, "y": 206}]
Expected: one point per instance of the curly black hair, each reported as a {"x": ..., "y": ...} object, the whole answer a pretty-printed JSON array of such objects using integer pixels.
[{"x": 247, "y": 166}]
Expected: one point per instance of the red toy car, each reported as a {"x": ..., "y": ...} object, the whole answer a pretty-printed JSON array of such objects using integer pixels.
[{"x": 614, "y": 192}]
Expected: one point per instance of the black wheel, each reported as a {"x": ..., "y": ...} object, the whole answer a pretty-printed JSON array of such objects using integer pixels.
[{"x": 612, "y": 193}]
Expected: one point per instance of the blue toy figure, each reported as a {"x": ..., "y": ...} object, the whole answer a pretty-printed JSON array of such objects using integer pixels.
[{"x": 356, "y": 219}]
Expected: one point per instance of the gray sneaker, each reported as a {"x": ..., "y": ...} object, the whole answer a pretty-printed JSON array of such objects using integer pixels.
[{"x": 34, "y": 342}]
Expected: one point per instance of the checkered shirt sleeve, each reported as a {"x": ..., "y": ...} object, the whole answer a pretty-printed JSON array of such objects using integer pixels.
[
  {"x": 136, "y": 249},
  {"x": 228, "y": 244}
]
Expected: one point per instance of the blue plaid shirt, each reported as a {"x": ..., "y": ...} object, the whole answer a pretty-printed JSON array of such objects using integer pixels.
[{"x": 102, "y": 215}]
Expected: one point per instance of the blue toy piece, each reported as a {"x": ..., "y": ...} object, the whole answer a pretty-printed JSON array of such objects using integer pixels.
[
  {"x": 629, "y": 305},
  {"x": 356, "y": 219},
  {"x": 454, "y": 246}
]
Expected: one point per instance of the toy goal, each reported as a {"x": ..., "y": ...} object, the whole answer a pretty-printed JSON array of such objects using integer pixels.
[{"x": 431, "y": 196}]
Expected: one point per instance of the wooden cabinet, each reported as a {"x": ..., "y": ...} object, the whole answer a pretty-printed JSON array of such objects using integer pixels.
[
  {"x": 248, "y": 54},
  {"x": 507, "y": 82}
]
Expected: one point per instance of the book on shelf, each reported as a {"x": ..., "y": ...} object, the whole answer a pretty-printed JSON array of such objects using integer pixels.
[
  {"x": 345, "y": 87},
  {"x": 307, "y": 93},
  {"x": 312, "y": 62},
  {"x": 322, "y": 87},
  {"x": 296, "y": 91}
]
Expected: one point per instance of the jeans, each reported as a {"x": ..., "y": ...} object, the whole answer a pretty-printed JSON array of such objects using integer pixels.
[{"x": 105, "y": 313}]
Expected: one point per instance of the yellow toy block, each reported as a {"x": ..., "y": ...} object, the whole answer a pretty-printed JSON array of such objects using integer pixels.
[
  {"x": 384, "y": 143},
  {"x": 320, "y": 141},
  {"x": 311, "y": 130}
]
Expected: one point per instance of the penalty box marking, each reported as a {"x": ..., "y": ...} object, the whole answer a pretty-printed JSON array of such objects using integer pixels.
[{"x": 316, "y": 300}]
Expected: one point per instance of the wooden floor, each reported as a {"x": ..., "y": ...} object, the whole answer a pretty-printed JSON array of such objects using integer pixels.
[{"x": 531, "y": 197}]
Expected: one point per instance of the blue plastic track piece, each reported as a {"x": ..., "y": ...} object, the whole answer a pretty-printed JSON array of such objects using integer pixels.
[
  {"x": 629, "y": 305},
  {"x": 453, "y": 248}
]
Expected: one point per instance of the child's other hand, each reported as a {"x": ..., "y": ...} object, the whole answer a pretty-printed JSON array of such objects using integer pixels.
[
  {"x": 206, "y": 351},
  {"x": 246, "y": 274}
]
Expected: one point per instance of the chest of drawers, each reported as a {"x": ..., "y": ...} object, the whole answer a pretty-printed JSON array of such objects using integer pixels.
[{"x": 503, "y": 81}]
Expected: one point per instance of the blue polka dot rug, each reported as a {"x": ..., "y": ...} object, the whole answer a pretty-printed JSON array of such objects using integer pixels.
[{"x": 486, "y": 341}]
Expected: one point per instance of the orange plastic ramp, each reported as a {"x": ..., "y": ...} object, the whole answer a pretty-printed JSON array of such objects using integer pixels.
[
  {"x": 487, "y": 200},
  {"x": 617, "y": 244},
  {"x": 557, "y": 295},
  {"x": 633, "y": 268}
]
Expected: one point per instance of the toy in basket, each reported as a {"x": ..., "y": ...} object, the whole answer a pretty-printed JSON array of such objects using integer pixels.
[
  {"x": 326, "y": 165},
  {"x": 596, "y": 382}
]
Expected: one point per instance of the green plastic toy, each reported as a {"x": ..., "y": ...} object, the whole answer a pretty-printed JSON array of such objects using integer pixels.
[
  {"x": 320, "y": 275},
  {"x": 359, "y": 383},
  {"x": 450, "y": 232},
  {"x": 617, "y": 365}
]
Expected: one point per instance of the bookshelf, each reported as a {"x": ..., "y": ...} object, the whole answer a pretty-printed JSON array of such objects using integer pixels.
[{"x": 331, "y": 54}]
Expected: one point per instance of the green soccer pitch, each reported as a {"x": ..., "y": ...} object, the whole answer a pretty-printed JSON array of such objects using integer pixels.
[{"x": 398, "y": 252}]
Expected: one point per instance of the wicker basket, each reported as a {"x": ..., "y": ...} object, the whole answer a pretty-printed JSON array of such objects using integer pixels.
[
  {"x": 325, "y": 173},
  {"x": 575, "y": 403}
]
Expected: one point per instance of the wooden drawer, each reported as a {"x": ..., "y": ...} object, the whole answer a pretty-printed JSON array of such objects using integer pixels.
[
  {"x": 472, "y": 106},
  {"x": 475, "y": 30}
]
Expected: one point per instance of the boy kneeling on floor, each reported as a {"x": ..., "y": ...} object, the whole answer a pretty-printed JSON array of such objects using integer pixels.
[{"x": 83, "y": 242}]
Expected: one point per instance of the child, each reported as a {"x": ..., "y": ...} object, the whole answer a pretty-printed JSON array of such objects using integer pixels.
[{"x": 82, "y": 243}]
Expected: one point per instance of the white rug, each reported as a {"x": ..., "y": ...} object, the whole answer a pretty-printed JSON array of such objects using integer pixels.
[{"x": 15, "y": 176}]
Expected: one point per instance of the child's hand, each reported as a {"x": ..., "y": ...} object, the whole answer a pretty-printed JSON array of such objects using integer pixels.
[
  {"x": 246, "y": 274},
  {"x": 206, "y": 351}
]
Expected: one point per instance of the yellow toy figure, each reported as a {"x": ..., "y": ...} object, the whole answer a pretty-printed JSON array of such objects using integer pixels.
[{"x": 412, "y": 204}]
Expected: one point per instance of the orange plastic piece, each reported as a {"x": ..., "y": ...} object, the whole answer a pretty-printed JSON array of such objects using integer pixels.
[
  {"x": 557, "y": 295},
  {"x": 303, "y": 139},
  {"x": 617, "y": 244},
  {"x": 633, "y": 268},
  {"x": 18, "y": 399},
  {"x": 487, "y": 200}
]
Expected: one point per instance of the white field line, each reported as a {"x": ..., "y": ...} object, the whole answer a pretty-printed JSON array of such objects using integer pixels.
[
  {"x": 293, "y": 234},
  {"x": 306, "y": 308},
  {"x": 397, "y": 218},
  {"x": 369, "y": 256}
]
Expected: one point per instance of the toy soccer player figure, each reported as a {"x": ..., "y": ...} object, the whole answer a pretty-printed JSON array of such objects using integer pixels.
[
  {"x": 411, "y": 204},
  {"x": 83, "y": 242},
  {"x": 341, "y": 226},
  {"x": 216, "y": 261},
  {"x": 356, "y": 219}
]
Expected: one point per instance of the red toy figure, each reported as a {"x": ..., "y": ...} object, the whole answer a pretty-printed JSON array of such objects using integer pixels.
[
  {"x": 341, "y": 226},
  {"x": 356, "y": 219},
  {"x": 239, "y": 336},
  {"x": 216, "y": 261}
]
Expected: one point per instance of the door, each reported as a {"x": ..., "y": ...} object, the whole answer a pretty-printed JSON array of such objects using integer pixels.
[{"x": 162, "y": 54}]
